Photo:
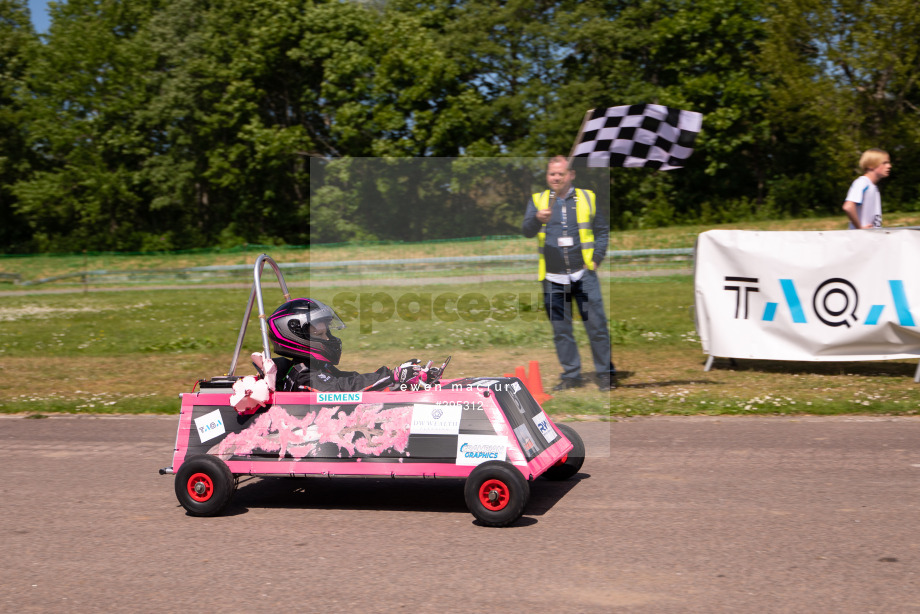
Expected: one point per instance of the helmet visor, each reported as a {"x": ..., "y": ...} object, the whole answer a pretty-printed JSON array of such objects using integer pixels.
[
  {"x": 308, "y": 325},
  {"x": 332, "y": 322},
  {"x": 321, "y": 312}
]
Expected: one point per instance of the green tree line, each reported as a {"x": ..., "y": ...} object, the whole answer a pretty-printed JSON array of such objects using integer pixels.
[{"x": 168, "y": 124}]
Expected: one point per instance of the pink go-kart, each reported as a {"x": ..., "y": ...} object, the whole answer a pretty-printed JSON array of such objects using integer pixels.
[{"x": 489, "y": 431}]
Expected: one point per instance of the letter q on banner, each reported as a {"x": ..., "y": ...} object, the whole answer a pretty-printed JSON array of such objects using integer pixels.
[{"x": 813, "y": 296}]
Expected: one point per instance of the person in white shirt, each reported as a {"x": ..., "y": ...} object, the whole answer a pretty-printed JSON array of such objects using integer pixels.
[{"x": 863, "y": 205}]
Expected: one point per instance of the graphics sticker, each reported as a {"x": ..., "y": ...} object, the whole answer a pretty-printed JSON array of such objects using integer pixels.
[
  {"x": 428, "y": 419},
  {"x": 477, "y": 449},
  {"x": 210, "y": 426},
  {"x": 543, "y": 425}
]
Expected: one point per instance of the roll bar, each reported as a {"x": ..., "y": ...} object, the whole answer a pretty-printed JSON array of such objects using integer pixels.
[{"x": 256, "y": 294}]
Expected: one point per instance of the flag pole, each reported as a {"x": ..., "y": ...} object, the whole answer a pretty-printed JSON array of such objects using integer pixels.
[{"x": 589, "y": 114}]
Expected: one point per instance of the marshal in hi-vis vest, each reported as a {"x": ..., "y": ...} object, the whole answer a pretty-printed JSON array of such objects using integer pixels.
[{"x": 584, "y": 214}]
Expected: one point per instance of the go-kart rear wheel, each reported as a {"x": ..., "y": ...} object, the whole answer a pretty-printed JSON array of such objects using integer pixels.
[
  {"x": 568, "y": 465},
  {"x": 204, "y": 485},
  {"x": 496, "y": 493}
]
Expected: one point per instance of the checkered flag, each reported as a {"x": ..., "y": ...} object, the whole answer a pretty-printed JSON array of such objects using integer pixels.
[{"x": 648, "y": 135}]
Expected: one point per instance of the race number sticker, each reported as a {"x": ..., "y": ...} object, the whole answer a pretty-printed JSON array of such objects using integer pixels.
[
  {"x": 477, "y": 449},
  {"x": 543, "y": 425},
  {"x": 210, "y": 426}
]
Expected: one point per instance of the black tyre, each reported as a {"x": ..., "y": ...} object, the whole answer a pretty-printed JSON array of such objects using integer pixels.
[
  {"x": 569, "y": 464},
  {"x": 496, "y": 493},
  {"x": 204, "y": 485}
]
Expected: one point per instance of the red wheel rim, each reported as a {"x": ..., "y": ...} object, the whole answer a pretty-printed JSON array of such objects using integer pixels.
[
  {"x": 200, "y": 487},
  {"x": 494, "y": 495},
  {"x": 562, "y": 460}
]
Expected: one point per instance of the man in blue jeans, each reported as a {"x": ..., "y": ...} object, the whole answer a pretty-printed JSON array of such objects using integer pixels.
[{"x": 572, "y": 242}]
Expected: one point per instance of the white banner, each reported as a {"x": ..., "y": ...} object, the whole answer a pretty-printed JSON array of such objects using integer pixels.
[{"x": 836, "y": 295}]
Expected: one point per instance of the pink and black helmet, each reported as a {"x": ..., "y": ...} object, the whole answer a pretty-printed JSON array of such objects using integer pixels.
[{"x": 289, "y": 331}]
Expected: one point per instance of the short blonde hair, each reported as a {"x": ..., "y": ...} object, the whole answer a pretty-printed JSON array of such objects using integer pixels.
[
  {"x": 872, "y": 158},
  {"x": 559, "y": 160}
]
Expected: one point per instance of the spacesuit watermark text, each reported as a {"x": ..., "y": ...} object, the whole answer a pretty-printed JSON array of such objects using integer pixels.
[{"x": 370, "y": 307}]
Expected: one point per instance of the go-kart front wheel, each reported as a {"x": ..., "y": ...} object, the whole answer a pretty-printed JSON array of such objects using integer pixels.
[
  {"x": 496, "y": 493},
  {"x": 204, "y": 485},
  {"x": 568, "y": 465}
]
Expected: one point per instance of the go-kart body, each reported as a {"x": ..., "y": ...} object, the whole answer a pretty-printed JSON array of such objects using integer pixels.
[
  {"x": 489, "y": 431},
  {"x": 444, "y": 431}
]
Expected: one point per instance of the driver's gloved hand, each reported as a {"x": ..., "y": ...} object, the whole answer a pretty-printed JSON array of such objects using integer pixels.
[{"x": 407, "y": 373}]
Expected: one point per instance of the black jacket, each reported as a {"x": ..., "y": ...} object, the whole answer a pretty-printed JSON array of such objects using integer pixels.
[{"x": 324, "y": 377}]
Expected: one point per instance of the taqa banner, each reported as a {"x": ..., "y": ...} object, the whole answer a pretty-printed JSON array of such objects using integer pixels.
[{"x": 836, "y": 295}]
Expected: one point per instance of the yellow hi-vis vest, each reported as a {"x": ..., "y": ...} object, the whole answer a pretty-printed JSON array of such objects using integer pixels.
[{"x": 584, "y": 215}]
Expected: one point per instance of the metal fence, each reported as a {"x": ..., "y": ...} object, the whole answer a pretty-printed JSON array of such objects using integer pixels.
[{"x": 369, "y": 270}]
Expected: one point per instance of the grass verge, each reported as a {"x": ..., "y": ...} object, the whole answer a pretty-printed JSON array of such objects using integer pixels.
[{"x": 136, "y": 351}]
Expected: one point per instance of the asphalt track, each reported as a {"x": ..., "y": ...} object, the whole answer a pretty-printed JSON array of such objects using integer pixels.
[{"x": 668, "y": 515}]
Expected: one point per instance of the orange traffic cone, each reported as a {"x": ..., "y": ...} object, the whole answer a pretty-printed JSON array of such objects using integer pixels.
[
  {"x": 521, "y": 375},
  {"x": 535, "y": 384}
]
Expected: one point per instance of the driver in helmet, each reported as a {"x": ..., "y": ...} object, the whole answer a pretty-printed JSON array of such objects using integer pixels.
[{"x": 301, "y": 330}]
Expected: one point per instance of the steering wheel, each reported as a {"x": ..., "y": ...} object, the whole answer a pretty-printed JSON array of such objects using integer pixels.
[{"x": 440, "y": 372}]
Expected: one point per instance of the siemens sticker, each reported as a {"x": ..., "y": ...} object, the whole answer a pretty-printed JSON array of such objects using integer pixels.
[
  {"x": 339, "y": 397},
  {"x": 477, "y": 449}
]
